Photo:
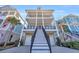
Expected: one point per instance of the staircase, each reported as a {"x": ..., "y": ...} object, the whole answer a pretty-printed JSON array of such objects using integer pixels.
[{"x": 40, "y": 44}]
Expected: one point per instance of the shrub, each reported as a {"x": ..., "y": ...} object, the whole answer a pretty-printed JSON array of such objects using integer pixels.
[{"x": 73, "y": 44}]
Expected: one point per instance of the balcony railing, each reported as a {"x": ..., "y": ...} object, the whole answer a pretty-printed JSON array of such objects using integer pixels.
[
  {"x": 70, "y": 37},
  {"x": 34, "y": 15},
  {"x": 39, "y": 18},
  {"x": 31, "y": 27},
  {"x": 49, "y": 27},
  {"x": 46, "y": 27}
]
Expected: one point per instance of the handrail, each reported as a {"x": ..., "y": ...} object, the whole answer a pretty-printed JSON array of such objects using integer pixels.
[
  {"x": 72, "y": 37},
  {"x": 32, "y": 39},
  {"x": 47, "y": 39}
]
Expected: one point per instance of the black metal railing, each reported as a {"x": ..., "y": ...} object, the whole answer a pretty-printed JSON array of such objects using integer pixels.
[
  {"x": 47, "y": 39},
  {"x": 32, "y": 40},
  {"x": 58, "y": 42}
]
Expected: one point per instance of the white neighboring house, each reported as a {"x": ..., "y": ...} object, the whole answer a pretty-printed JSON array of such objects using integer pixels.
[
  {"x": 9, "y": 11},
  {"x": 69, "y": 27},
  {"x": 40, "y": 17}
]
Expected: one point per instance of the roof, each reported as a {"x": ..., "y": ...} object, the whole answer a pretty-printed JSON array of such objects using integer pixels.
[
  {"x": 70, "y": 15},
  {"x": 7, "y": 7}
]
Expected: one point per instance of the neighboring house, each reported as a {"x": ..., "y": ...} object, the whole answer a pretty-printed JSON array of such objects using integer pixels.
[
  {"x": 70, "y": 25},
  {"x": 40, "y": 17},
  {"x": 8, "y": 17}
]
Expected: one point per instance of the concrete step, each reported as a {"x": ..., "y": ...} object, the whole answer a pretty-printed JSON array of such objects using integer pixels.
[
  {"x": 40, "y": 38},
  {"x": 40, "y": 47},
  {"x": 40, "y": 42},
  {"x": 40, "y": 51}
]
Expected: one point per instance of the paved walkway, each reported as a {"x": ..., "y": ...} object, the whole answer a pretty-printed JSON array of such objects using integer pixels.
[
  {"x": 22, "y": 49},
  {"x": 58, "y": 49},
  {"x": 26, "y": 49}
]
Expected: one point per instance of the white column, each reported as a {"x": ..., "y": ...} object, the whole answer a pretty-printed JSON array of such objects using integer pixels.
[
  {"x": 15, "y": 13},
  {"x": 68, "y": 25},
  {"x": 36, "y": 18},
  {"x": 42, "y": 19},
  {"x": 9, "y": 12},
  {"x": 56, "y": 28},
  {"x": 21, "y": 34},
  {"x": 62, "y": 28}
]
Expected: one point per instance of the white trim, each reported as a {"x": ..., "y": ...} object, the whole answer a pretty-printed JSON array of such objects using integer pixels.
[
  {"x": 3, "y": 22},
  {"x": 68, "y": 25},
  {"x": 21, "y": 36},
  {"x": 56, "y": 28},
  {"x": 36, "y": 18},
  {"x": 72, "y": 37},
  {"x": 42, "y": 19}
]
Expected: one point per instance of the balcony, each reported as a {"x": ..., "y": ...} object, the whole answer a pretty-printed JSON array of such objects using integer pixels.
[
  {"x": 30, "y": 28},
  {"x": 40, "y": 17},
  {"x": 47, "y": 28},
  {"x": 50, "y": 28}
]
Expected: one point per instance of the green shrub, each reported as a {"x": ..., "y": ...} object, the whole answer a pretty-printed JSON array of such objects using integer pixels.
[{"x": 73, "y": 44}]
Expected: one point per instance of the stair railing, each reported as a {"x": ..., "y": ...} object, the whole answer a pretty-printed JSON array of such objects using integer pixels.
[
  {"x": 32, "y": 39},
  {"x": 47, "y": 39}
]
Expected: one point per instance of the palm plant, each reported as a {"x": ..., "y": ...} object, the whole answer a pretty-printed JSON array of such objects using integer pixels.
[{"x": 13, "y": 21}]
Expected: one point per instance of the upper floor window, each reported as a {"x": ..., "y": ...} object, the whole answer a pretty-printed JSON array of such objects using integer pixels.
[
  {"x": 11, "y": 13},
  {"x": 4, "y": 13}
]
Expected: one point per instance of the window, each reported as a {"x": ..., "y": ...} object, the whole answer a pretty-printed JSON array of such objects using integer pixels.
[
  {"x": 39, "y": 15},
  {"x": 12, "y": 13},
  {"x": 4, "y": 13}
]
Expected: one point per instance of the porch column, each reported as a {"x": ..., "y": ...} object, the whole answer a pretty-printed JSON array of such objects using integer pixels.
[
  {"x": 36, "y": 19},
  {"x": 56, "y": 29},
  {"x": 42, "y": 19}
]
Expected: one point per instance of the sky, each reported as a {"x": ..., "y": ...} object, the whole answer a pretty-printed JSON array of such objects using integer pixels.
[{"x": 59, "y": 10}]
